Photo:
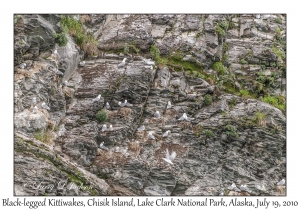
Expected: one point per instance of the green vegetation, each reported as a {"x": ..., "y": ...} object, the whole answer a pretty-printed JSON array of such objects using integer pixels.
[
  {"x": 43, "y": 136},
  {"x": 277, "y": 101},
  {"x": 279, "y": 53},
  {"x": 131, "y": 48},
  {"x": 231, "y": 131},
  {"x": 60, "y": 38},
  {"x": 278, "y": 34},
  {"x": 244, "y": 93},
  {"x": 208, "y": 133},
  {"x": 86, "y": 41},
  {"x": 231, "y": 25},
  {"x": 101, "y": 116},
  {"x": 219, "y": 67},
  {"x": 242, "y": 61},
  {"x": 16, "y": 19},
  {"x": 260, "y": 119},
  {"x": 222, "y": 28},
  {"x": 155, "y": 53},
  {"x": 278, "y": 20},
  {"x": 207, "y": 100}
]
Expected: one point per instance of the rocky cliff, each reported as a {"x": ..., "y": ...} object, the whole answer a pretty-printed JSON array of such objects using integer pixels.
[{"x": 226, "y": 72}]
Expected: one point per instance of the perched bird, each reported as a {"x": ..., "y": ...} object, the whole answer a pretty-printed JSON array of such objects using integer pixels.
[
  {"x": 102, "y": 146},
  {"x": 56, "y": 53},
  {"x": 104, "y": 128},
  {"x": 151, "y": 136},
  {"x": 58, "y": 72},
  {"x": 82, "y": 63},
  {"x": 97, "y": 98},
  {"x": 127, "y": 104},
  {"x": 44, "y": 105},
  {"x": 166, "y": 133},
  {"x": 244, "y": 188},
  {"x": 107, "y": 106},
  {"x": 221, "y": 194},
  {"x": 121, "y": 104},
  {"x": 149, "y": 62},
  {"x": 62, "y": 130},
  {"x": 22, "y": 65},
  {"x": 185, "y": 117},
  {"x": 233, "y": 187},
  {"x": 281, "y": 182},
  {"x": 111, "y": 128},
  {"x": 117, "y": 149},
  {"x": 257, "y": 16},
  {"x": 34, "y": 100},
  {"x": 122, "y": 63},
  {"x": 156, "y": 114},
  {"x": 35, "y": 109},
  {"x": 169, "y": 158},
  {"x": 169, "y": 105},
  {"x": 65, "y": 83},
  {"x": 142, "y": 128}
]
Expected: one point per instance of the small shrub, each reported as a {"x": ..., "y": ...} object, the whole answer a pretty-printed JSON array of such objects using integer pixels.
[
  {"x": 231, "y": 25},
  {"x": 219, "y": 67},
  {"x": 60, "y": 38},
  {"x": 220, "y": 32},
  {"x": 207, "y": 100},
  {"x": 244, "y": 93},
  {"x": 231, "y": 131},
  {"x": 208, "y": 133},
  {"x": 43, "y": 136},
  {"x": 277, "y": 101},
  {"x": 278, "y": 20},
  {"x": 242, "y": 61},
  {"x": 225, "y": 47},
  {"x": 101, "y": 116},
  {"x": 260, "y": 119},
  {"x": 155, "y": 53},
  {"x": 224, "y": 25}
]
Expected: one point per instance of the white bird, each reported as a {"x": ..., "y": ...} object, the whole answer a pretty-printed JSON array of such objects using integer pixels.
[
  {"x": 156, "y": 114},
  {"x": 281, "y": 182},
  {"x": 35, "y": 109},
  {"x": 102, "y": 146},
  {"x": 104, "y": 128},
  {"x": 127, "y": 104},
  {"x": 221, "y": 194},
  {"x": 121, "y": 104},
  {"x": 233, "y": 187},
  {"x": 111, "y": 128},
  {"x": 257, "y": 16},
  {"x": 122, "y": 63},
  {"x": 34, "y": 100},
  {"x": 169, "y": 158},
  {"x": 117, "y": 149},
  {"x": 44, "y": 105},
  {"x": 151, "y": 136},
  {"x": 62, "y": 130},
  {"x": 65, "y": 83},
  {"x": 82, "y": 63},
  {"x": 107, "y": 105},
  {"x": 97, "y": 98},
  {"x": 169, "y": 105},
  {"x": 56, "y": 53},
  {"x": 244, "y": 188},
  {"x": 23, "y": 65},
  {"x": 58, "y": 72},
  {"x": 166, "y": 133},
  {"x": 142, "y": 128},
  {"x": 149, "y": 62},
  {"x": 185, "y": 117}
]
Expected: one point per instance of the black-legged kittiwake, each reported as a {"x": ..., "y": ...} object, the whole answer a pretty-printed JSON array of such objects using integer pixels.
[
  {"x": 122, "y": 63},
  {"x": 44, "y": 105},
  {"x": 82, "y": 63},
  {"x": 104, "y": 128},
  {"x": 156, "y": 114},
  {"x": 185, "y": 117},
  {"x": 111, "y": 128},
  {"x": 97, "y": 98},
  {"x": 281, "y": 182},
  {"x": 169, "y": 158},
  {"x": 169, "y": 105},
  {"x": 244, "y": 188},
  {"x": 149, "y": 62},
  {"x": 233, "y": 187},
  {"x": 151, "y": 136},
  {"x": 22, "y": 65},
  {"x": 58, "y": 72},
  {"x": 142, "y": 128},
  {"x": 124, "y": 104},
  {"x": 107, "y": 106},
  {"x": 35, "y": 109},
  {"x": 62, "y": 130},
  {"x": 102, "y": 146},
  {"x": 166, "y": 133}
]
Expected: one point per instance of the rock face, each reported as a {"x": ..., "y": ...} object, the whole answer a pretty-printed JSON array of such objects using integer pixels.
[{"x": 232, "y": 137}]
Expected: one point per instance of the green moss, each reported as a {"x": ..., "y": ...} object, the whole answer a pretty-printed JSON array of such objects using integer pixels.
[
  {"x": 207, "y": 100},
  {"x": 279, "y": 53},
  {"x": 43, "y": 136},
  {"x": 242, "y": 61},
  {"x": 244, "y": 93},
  {"x": 231, "y": 131},
  {"x": 101, "y": 116},
  {"x": 155, "y": 53},
  {"x": 277, "y": 101},
  {"x": 278, "y": 20},
  {"x": 220, "y": 32},
  {"x": 208, "y": 133},
  {"x": 219, "y": 67},
  {"x": 60, "y": 38}
]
